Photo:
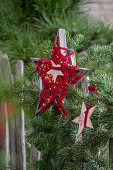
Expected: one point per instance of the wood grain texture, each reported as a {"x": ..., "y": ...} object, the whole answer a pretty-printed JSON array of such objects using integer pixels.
[{"x": 19, "y": 129}]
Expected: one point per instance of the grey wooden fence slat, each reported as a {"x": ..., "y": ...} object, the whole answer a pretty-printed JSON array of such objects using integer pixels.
[
  {"x": 34, "y": 154},
  {"x": 84, "y": 86},
  {"x": 7, "y": 138},
  {"x": 5, "y": 77},
  {"x": 20, "y": 130}
]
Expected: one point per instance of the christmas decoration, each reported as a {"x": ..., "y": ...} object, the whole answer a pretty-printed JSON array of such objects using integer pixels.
[
  {"x": 56, "y": 74},
  {"x": 84, "y": 119}
]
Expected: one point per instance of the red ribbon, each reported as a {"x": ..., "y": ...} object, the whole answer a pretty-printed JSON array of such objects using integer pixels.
[
  {"x": 57, "y": 56},
  {"x": 91, "y": 89},
  {"x": 86, "y": 114},
  {"x": 56, "y": 91}
]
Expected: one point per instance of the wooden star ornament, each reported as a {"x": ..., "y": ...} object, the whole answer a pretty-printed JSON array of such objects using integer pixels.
[
  {"x": 56, "y": 74},
  {"x": 84, "y": 119}
]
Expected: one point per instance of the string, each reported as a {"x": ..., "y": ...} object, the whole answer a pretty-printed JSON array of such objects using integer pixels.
[{"x": 86, "y": 114}]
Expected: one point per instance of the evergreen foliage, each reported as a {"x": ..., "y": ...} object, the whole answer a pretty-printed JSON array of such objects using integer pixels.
[
  {"x": 55, "y": 136},
  {"x": 26, "y": 30}
]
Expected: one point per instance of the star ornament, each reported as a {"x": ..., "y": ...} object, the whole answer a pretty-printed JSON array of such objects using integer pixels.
[
  {"x": 56, "y": 74},
  {"x": 82, "y": 120}
]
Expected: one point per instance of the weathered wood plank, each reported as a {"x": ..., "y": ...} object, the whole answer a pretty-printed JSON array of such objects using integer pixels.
[
  {"x": 84, "y": 86},
  {"x": 20, "y": 130},
  {"x": 5, "y": 77},
  {"x": 61, "y": 40},
  {"x": 34, "y": 156}
]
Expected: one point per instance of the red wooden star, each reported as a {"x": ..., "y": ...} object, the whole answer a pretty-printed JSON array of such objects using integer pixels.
[{"x": 56, "y": 74}]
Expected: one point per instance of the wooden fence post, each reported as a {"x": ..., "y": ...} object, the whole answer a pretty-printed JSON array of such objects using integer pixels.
[
  {"x": 20, "y": 131},
  {"x": 85, "y": 84},
  {"x": 20, "y": 123},
  {"x": 34, "y": 153},
  {"x": 5, "y": 77},
  {"x": 34, "y": 156}
]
